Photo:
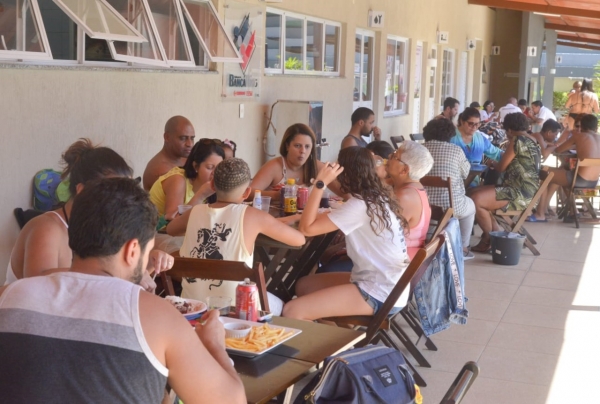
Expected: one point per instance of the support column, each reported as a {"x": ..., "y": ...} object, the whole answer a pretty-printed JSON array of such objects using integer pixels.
[
  {"x": 532, "y": 34},
  {"x": 550, "y": 65}
]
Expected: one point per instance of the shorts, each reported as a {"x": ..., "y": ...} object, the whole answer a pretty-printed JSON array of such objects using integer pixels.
[
  {"x": 374, "y": 303},
  {"x": 580, "y": 182}
]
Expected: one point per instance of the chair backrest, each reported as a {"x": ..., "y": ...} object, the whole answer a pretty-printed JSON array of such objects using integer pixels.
[
  {"x": 217, "y": 269},
  {"x": 458, "y": 389},
  {"x": 545, "y": 177},
  {"x": 439, "y": 182},
  {"x": 583, "y": 163},
  {"x": 417, "y": 137},
  {"x": 421, "y": 260},
  {"x": 23, "y": 216},
  {"x": 396, "y": 140},
  {"x": 439, "y": 219}
]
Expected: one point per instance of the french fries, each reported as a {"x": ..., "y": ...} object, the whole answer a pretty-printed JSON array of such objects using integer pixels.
[{"x": 259, "y": 339}]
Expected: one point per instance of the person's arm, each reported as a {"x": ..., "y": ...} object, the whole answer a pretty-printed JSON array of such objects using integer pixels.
[
  {"x": 508, "y": 156},
  {"x": 569, "y": 102},
  {"x": 269, "y": 226},
  {"x": 491, "y": 151},
  {"x": 412, "y": 208},
  {"x": 200, "y": 371},
  {"x": 376, "y": 133},
  {"x": 174, "y": 188},
  {"x": 349, "y": 141},
  {"x": 178, "y": 226},
  {"x": 595, "y": 104},
  {"x": 202, "y": 193},
  {"x": 567, "y": 144},
  {"x": 334, "y": 186},
  {"x": 41, "y": 255},
  {"x": 312, "y": 223},
  {"x": 265, "y": 177},
  {"x": 464, "y": 166},
  {"x": 159, "y": 261}
]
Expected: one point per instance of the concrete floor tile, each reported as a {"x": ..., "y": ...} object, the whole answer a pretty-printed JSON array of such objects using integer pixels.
[
  {"x": 551, "y": 281},
  {"x": 451, "y": 356},
  {"x": 497, "y": 274},
  {"x": 539, "y": 316},
  {"x": 517, "y": 366},
  {"x": 528, "y": 338},
  {"x": 475, "y": 331},
  {"x": 489, "y": 290},
  {"x": 558, "y": 267},
  {"x": 544, "y": 296},
  {"x": 437, "y": 384},
  {"x": 486, "y": 309},
  {"x": 494, "y": 391}
]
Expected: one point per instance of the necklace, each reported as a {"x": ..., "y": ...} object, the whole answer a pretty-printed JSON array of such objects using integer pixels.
[{"x": 65, "y": 213}]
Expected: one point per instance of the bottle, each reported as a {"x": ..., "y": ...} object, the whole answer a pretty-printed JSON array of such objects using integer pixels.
[
  {"x": 290, "y": 206},
  {"x": 257, "y": 203}
]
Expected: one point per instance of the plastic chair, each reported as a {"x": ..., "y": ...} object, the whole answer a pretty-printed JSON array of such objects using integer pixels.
[
  {"x": 461, "y": 385},
  {"x": 417, "y": 137},
  {"x": 217, "y": 269},
  {"x": 23, "y": 216},
  {"x": 396, "y": 140}
]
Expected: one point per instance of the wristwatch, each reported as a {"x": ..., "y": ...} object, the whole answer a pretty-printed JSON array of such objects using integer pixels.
[{"x": 320, "y": 184}]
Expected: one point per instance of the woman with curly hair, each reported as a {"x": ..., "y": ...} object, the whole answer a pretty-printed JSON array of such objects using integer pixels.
[
  {"x": 521, "y": 165},
  {"x": 374, "y": 228}
]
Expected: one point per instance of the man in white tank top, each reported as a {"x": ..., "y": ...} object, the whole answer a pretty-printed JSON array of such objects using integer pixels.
[{"x": 96, "y": 320}]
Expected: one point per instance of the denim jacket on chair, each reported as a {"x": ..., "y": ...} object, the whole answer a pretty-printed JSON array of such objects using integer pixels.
[{"x": 439, "y": 295}]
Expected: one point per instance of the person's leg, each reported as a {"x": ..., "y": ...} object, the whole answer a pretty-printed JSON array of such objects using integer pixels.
[
  {"x": 561, "y": 178},
  {"x": 466, "y": 221},
  {"x": 313, "y": 283},
  {"x": 485, "y": 202}
]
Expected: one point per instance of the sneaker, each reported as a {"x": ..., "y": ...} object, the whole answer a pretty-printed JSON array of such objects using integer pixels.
[{"x": 468, "y": 256}]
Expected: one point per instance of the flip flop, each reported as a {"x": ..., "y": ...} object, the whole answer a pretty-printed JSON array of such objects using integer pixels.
[{"x": 533, "y": 219}]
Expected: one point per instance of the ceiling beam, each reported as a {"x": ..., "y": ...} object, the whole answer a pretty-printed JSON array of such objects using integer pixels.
[
  {"x": 578, "y": 39},
  {"x": 570, "y": 28},
  {"x": 537, "y": 8},
  {"x": 574, "y": 45}
]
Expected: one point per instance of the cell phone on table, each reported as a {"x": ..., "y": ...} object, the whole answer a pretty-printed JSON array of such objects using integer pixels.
[{"x": 264, "y": 315}]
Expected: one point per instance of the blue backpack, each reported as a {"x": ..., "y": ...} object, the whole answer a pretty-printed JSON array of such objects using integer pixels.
[
  {"x": 374, "y": 374},
  {"x": 45, "y": 183}
]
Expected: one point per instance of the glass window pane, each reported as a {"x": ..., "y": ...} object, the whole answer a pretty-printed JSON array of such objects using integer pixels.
[
  {"x": 273, "y": 41},
  {"x": 367, "y": 68},
  {"x": 332, "y": 43},
  {"x": 314, "y": 46},
  {"x": 357, "y": 70},
  {"x": 207, "y": 25},
  {"x": 99, "y": 20},
  {"x": 135, "y": 14},
  {"x": 400, "y": 93},
  {"x": 169, "y": 27},
  {"x": 197, "y": 50},
  {"x": 390, "y": 68},
  {"x": 294, "y": 43},
  {"x": 61, "y": 31},
  {"x": 19, "y": 31}
]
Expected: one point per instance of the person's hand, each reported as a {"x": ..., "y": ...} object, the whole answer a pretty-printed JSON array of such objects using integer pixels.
[
  {"x": 205, "y": 190},
  {"x": 147, "y": 283},
  {"x": 159, "y": 261},
  {"x": 210, "y": 330},
  {"x": 329, "y": 172},
  {"x": 289, "y": 220},
  {"x": 376, "y": 133}
]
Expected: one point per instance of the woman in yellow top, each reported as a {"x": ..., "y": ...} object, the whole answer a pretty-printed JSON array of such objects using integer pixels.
[{"x": 190, "y": 184}]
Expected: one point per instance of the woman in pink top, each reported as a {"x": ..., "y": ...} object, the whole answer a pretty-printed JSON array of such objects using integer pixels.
[{"x": 406, "y": 166}]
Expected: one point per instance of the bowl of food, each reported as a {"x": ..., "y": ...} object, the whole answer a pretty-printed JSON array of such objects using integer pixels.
[
  {"x": 191, "y": 309},
  {"x": 236, "y": 330}
]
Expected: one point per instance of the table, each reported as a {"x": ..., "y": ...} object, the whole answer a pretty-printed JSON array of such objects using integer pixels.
[
  {"x": 284, "y": 264},
  {"x": 475, "y": 171},
  {"x": 275, "y": 373}
]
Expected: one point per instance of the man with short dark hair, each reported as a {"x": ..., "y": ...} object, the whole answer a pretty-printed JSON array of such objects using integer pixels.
[
  {"x": 546, "y": 138},
  {"x": 363, "y": 124},
  {"x": 92, "y": 334},
  {"x": 178, "y": 138},
  {"x": 540, "y": 115},
  {"x": 450, "y": 109}
]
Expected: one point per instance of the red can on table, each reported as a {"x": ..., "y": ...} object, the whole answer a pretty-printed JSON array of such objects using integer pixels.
[
  {"x": 246, "y": 300},
  {"x": 302, "y": 197}
]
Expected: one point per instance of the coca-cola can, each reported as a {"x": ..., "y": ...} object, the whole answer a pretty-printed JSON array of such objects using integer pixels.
[
  {"x": 246, "y": 300},
  {"x": 302, "y": 197}
]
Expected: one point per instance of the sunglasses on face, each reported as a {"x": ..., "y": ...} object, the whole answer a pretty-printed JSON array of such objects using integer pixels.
[{"x": 473, "y": 124}]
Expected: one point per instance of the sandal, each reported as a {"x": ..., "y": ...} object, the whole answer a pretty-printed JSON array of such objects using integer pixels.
[{"x": 482, "y": 247}]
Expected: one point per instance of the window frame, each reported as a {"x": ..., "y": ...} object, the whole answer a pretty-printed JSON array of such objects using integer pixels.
[
  {"x": 447, "y": 78},
  {"x": 304, "y": 72},
  {"x": 34, "y": 56},
  {"x": 405, "y": 74},
  {"x": 364, "y": 103}
]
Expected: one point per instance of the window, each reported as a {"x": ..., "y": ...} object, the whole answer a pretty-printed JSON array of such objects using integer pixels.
[
  {"x": 363, "y": 69},
  {"x": 307, "y": 45},
  {"x": 396, "y": 62},
  {"x": 165, "y": 33},
  {"x": 447, "y": 89}
]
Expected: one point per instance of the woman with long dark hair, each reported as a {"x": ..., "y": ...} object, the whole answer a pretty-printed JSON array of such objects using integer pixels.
[{"x": 374, "y": 228}]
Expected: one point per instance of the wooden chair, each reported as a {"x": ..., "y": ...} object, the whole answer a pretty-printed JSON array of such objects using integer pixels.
[
  {"x": 439, "y": 219},
  {"x": 217, "y": 269},
  {"x": 580, "y": 193},
  {"x": 396, "y": 140},
  {"x": 459, "y": 387},
  {"x": 417, "y": 137},
  {"x": 439, "y": 182},
  {"x": 513, "y": 220}
]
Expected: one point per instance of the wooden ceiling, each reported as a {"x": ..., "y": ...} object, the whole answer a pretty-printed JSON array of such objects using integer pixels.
[{"x": 574, "y": 21}]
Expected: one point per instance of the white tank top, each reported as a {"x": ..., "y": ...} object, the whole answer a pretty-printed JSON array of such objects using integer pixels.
[{"x": 214, "y": 233}]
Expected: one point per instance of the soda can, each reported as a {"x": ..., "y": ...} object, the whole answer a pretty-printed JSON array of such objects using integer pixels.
[
  {"x": 246, "y": 300},
  {"x": 302, "y": 197}
]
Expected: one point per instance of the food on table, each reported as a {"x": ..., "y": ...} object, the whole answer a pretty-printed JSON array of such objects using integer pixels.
[
  {"x": 260, "y": 338},
  {"x": 183, "y": 305}
]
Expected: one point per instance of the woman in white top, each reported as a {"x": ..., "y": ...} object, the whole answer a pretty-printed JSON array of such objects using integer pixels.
[
  {"x": 582, "y": 102},
  {"x": 487, "y": 113},
  {"x": 374, "y": 230},
  {"x": 43, "y": 244}
]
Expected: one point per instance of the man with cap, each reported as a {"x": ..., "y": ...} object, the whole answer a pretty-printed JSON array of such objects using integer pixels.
[{"x": 227, "y": 230}]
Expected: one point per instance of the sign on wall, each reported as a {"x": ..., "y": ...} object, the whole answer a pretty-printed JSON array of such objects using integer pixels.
[{"x": 245, "y": 24}]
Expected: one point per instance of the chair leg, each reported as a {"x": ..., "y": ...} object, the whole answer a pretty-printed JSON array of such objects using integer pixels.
[
  {"x": 415, "y": 324},
  {"x": 531, "y": 247},
  {"x": 574, "y": 209},
  {"x": 387, "y": 340},
  {"x": 409, "y": 345}
]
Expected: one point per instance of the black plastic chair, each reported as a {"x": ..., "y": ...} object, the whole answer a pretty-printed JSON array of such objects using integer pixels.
[
  {"x": 23, "y": 216},
  {"x": 396, "y": 140},
  {"x": 461, "y": 384},
  {"x": 417, "y": 137}
]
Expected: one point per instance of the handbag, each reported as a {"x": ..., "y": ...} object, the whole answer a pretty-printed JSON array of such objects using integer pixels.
[{"x": 372, "y": 374}]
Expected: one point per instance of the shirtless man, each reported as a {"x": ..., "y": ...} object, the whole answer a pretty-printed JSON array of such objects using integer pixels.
[
  {"x": 587, "y": 144},
  {"x": 363, "y": 124},
  {"x": 179, "y": 139}
]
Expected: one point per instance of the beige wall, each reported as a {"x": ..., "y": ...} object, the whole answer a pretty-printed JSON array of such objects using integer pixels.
[{"x": 43, "y": 109}]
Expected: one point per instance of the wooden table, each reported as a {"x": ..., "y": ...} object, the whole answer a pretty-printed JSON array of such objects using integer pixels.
[{"x": 274, "y": 374}]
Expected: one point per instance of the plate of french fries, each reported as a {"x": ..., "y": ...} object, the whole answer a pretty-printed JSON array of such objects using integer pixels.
[{"x": 262, "y": 338}]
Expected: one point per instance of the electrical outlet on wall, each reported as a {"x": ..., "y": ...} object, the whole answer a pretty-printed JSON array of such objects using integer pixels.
[{"x": 241, "y": 111}]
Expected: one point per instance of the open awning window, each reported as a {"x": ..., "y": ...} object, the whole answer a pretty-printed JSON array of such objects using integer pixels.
[
  {"x": 22, "y": 33},
  {"x": 99, "y": 20},
  {"x": 172, "y": 32},
  {"x": 209, "y": 30}
]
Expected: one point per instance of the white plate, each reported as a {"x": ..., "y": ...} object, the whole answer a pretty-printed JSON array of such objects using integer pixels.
[
  {"x": 199, "y": 308},
  {"x": 249, "y": 354}
]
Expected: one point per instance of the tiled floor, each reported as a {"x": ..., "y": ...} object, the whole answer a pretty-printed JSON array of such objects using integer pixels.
[{"x": 533, "y": 328}]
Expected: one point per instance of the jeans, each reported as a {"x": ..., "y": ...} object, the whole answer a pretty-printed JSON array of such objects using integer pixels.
[{"x": 466, "y": 221}]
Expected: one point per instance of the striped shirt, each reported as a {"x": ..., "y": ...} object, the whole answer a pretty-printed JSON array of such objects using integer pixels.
[{"x": 76, "y": 338}]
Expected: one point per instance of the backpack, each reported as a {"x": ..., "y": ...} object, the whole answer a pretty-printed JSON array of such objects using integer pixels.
[
  {"x": 45, "y": 183},
  {"x": 373, "y": 374}
]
